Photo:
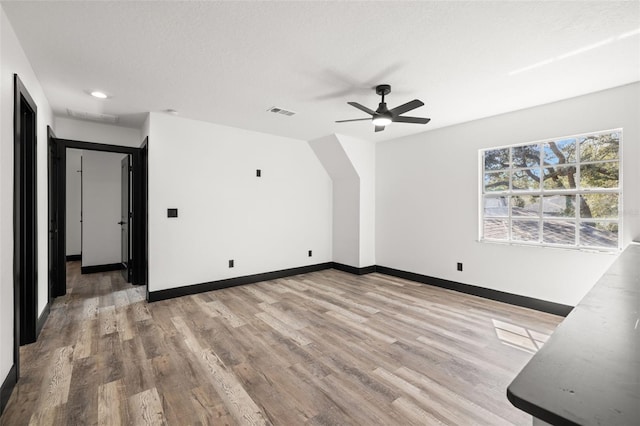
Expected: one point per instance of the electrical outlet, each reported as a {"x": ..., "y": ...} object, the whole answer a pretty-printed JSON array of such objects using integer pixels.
[
  {"x": 231, "y": 263},
  {"x": 310, "y": 253},
  {"x": 459, "y": 266},
  {"x": 258, "y": 173}
]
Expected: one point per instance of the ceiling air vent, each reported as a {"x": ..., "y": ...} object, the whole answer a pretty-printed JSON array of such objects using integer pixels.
[
  {"x": 103, "y": 118},
  {"x": 277, "y": 110}
]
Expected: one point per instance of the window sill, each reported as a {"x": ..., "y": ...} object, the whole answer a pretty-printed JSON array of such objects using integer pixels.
[{"x": 611, "y": 251}]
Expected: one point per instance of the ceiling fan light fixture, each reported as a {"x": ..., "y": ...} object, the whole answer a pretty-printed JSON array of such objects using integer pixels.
[
  {"x": 98, "y": 94},
  {"x": 384, "y": 116},
  {"x": 381, "y": 121}
]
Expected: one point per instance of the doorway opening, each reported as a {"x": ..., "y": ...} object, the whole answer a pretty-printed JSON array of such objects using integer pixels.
[
  {"x": 128, "y": 225},
  {"x": 99, "y": 211}
]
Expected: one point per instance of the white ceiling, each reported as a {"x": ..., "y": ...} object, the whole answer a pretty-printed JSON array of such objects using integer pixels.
[{"x": 228, "y": 62}]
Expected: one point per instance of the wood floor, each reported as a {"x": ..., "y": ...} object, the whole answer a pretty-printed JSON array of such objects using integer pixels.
[{"x": 325, "y": 348}]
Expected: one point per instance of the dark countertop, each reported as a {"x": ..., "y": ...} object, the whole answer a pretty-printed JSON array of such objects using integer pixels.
[{"x": 588, "y": 372}]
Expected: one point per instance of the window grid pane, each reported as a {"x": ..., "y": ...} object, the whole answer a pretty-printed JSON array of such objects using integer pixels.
[
  {"x": 496, "y": 181},
  {"x": 559, "y": 206},
  {"x": 559, "y": 232},
  {"x": 496, "y": 229},
  {"x": 496, "y": 207},
  {"x": 496, "y": 159},
  {"x": 525, "y": 179},
  {"x": 599, "y": 234},
  {"x": 560, "y": 152},
  {"x": 525, "y": 230}
]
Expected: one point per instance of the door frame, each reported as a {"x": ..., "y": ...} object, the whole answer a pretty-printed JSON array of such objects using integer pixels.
[
  {"x": 53, "y": 164},
  {"x": 144, "y": 214},
  {"x": 126, "y": 162},
  {"x": 139, "y": 205},
  {"x": 25, "y": 221}
]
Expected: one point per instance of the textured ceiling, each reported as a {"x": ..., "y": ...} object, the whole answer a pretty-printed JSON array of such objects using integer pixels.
[{"x": 228, "y": 62}]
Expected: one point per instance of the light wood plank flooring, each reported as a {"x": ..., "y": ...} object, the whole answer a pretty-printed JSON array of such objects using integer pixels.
[{"x": 324, "y": 348}]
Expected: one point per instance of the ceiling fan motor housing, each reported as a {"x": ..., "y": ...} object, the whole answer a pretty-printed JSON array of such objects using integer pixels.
[
  {"x": 383, "y": 89},
  {"x": 382, "y": 109}
]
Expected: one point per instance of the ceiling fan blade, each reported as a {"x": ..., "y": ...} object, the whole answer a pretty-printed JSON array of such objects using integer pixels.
[
  {"x": 353, "y": 119},
  {"x": 416, "y": 120},
  {"x": 362, "y": 108},
  {"x": 407, "y": 107},
  {"x": 379, "y": 128}
]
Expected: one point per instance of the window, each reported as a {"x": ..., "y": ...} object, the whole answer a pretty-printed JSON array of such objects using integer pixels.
[{"x": 564, "y": 192}]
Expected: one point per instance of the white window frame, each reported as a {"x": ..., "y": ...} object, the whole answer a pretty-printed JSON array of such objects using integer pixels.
[{"x": 541, "y": 192}]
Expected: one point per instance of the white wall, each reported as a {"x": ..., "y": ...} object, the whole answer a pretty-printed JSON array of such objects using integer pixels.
[
  {"x": 427, "y": 199},
  {"x": 363, "y": 157},
  {"x": 144, "y": 133},
  {"x": 101, "y": 201},
  {"x": 88, "y": 131},
  {"x": 100, "y": 184},
  {"x": 208, "y": 172},
  {"x": 13, "y": 60},
  {"x": 346, "y": 222},
  {"x": 345, "y": 200},
  {"x": 350, "y": 163},
  {"x": 73, "y": 206}
]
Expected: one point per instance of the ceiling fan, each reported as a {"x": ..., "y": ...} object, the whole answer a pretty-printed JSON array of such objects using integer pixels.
[{"x": 384, "y": 116}]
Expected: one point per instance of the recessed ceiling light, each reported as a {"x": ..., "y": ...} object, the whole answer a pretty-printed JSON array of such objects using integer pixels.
[{"x": 99, "y": 95}]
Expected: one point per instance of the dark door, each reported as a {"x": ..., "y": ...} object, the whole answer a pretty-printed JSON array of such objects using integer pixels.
[
  {"x": 143, "y": 216},
  {"x": 53, "y": 164},
  {"x": 125, "y": 217}
]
